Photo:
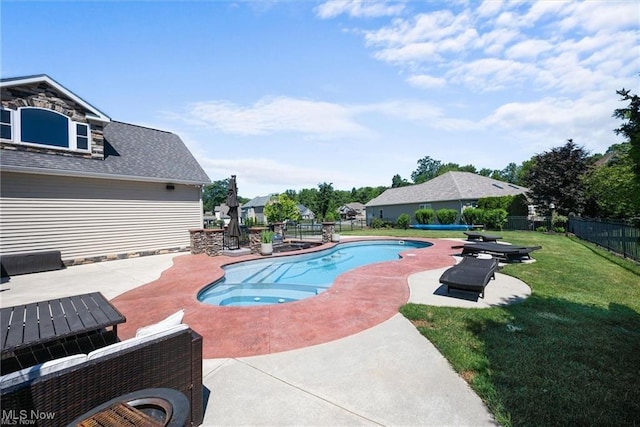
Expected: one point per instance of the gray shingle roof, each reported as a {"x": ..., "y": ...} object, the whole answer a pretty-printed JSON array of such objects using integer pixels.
[
  {"x": 448, "y": 186},
  {"x": 131, "y": 152},
  {"x": 257, "y": 202}
]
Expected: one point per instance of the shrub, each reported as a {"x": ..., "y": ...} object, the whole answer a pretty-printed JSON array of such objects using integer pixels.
[
  {"x": 541, "y": 229},
  {"x": 404, "y": 221},
  {"x": 559, "y": 229},
  {"x": 558, "y": 221},
  {"x": 425, "y": 216},
  {"x": 514, "y": 205},
  {"x": 500, "y": 202},
  {"x": 330, "y": 217},
  {"x": 377, "y": 223},
  {"x": 473, "y": 216},
  {"x": 495, "y": 218},
  {"x": 446, "y": 216}
]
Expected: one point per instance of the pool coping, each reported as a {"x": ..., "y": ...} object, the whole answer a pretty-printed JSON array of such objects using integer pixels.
[{"x": 359, "y": 299}]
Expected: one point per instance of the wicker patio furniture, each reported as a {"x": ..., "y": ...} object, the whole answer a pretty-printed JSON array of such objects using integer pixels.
[{"x": 173, "y": 360}]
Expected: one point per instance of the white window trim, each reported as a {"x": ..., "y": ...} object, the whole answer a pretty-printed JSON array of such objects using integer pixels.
[
  {"x": 16, "y": 136},
  {"x": 424, "y": 206},
  {"x": 11, "y": 122}
]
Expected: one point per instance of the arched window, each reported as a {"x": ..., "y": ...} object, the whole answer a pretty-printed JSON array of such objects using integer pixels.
[
  {"x": 45, "y": 127},
  {"x": 39, "y": 126}
]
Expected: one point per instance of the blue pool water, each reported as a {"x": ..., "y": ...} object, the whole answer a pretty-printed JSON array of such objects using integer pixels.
[{"x": 295, "y": 277}]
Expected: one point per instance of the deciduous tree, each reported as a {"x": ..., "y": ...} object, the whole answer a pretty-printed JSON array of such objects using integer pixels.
[
  {"x": 214, "y": 194},
  {"x": 281, "y": 209},
  {"x": 631, "y": 127},
  {"x": 325, "y": 200},
  {"x": 398, "y": 181},
  {"x": 427, "y": 169},
  {"x": 611, "y": 188},
  {"x": 556, "y": 177}
]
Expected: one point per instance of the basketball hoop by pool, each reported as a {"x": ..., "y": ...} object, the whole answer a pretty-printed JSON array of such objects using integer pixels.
[{"x": 295, "y": 277}]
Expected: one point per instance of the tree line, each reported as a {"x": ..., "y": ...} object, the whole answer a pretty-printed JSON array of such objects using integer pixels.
[{"x": 566, "y": 177}]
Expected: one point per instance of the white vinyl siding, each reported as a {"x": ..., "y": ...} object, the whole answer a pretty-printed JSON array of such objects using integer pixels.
[{"x": 85, "y": 217}]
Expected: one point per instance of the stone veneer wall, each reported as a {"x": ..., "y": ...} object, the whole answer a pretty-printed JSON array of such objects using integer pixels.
[
  {"x": 214, "y": 241},
  {"x": 209, "y": 241},
  {"x": 328, "y": 228},
  {"x": 42, "y": 95},
  {"x": 255, "y": 239},
  {"x": 197, "y": 240}
]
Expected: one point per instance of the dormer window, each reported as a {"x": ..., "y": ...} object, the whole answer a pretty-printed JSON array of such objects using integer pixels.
[{"x": 41, "y": 127}]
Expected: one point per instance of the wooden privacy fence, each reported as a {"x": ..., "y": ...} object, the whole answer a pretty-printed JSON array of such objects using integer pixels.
[{"x": 617, "y": 237}]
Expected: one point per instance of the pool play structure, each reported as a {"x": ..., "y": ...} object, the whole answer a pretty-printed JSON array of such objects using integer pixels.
[{"x": 294, "y": 277}]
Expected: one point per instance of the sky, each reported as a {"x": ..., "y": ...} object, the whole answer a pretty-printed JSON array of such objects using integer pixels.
[{"x": 291, "y": 94}]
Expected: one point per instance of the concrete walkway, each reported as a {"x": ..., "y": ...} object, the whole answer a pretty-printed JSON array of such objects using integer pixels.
[{"x": 385, "y": 375}]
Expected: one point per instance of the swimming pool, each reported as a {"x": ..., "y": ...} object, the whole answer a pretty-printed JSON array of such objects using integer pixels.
[{"x": 295, "y": 277}]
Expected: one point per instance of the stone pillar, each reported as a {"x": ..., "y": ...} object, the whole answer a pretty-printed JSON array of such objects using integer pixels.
[
  {"x": 278, "y": 228},
  {"x": 254, "y": 239},
  {"x": 214, "y": 241},
  {"x": 328, "y": 228},
  {"x": 197, "y": 240}
]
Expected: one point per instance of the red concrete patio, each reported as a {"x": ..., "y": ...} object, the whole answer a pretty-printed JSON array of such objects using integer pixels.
[{"x": 358, "y": 300}]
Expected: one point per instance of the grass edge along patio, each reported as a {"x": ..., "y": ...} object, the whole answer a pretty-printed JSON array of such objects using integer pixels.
[{"x": 566, "y": 355}]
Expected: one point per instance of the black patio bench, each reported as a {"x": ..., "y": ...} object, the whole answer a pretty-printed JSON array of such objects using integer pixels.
[{"x": 31, "y": 262}]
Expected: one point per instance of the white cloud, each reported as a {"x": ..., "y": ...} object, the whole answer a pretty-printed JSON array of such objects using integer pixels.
[
  {"x": 550, "y": 121},
  {"x": 425, "y": 81},
  {"x": 598, "y": 16},
  {"x": 489, "y": 8},
  {"x": 528, "y": 49},
  {"x": 271, "y": 115},
  {"x": 500, "y": 45},
  {"x": 358, "y": 8},
  {"x": 417, "y": 112},
  {"x": 490, "y": 74},
  {"x": 414, "y": 52}
]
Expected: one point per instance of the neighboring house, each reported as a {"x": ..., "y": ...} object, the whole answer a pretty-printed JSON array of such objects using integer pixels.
[
  {"x": 306, "y": 213},
  {"x": 74, "y": 180},
  {"x": 222, "y": 213},
  {"x": 254, "y": 209},
  {"x": 354, "y": 210},
  {"x": 452, "y": 190}
]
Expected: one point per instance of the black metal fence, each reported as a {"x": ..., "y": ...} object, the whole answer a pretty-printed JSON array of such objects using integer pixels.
[
  {"x": 313, "y": 229},
  {"x": 235, "y": 243},
  {"x": 306, "y": 230},
  {"x": 527, "y": 223},
  {"x": 617, "y": 237}
]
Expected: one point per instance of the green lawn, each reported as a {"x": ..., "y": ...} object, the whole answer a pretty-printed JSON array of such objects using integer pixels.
[{"x": 568, "y": 355}]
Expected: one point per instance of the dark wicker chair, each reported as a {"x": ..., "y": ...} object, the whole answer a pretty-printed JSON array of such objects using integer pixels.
[
  {"x": 470, "y": 275},
  {"x": 173, "y": 361}
]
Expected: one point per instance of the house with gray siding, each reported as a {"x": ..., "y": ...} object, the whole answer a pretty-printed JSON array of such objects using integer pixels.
[
  {"x": 254, "y": 209},
  {"x": 74, "y": 180},
  {"x": 451, "y": 190}
]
